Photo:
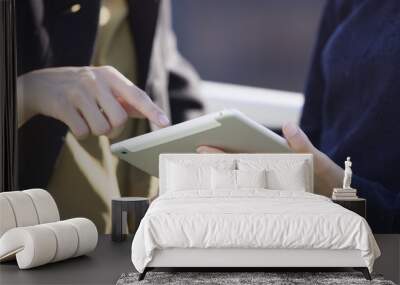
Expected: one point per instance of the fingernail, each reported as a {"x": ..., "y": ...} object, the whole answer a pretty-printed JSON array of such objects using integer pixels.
[
  {"x": 290, "y": 129},
  {"x": 163, "y": 120}
]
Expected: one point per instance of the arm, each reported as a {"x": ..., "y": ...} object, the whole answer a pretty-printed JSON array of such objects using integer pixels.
[
  {"x": 383, "y": 205},
  {"x": 94, "y": 100},
  {"x": 311, "y": 119}
]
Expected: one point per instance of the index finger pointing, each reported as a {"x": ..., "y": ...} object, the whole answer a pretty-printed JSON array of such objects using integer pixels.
[{"x": 135, "y": 97}]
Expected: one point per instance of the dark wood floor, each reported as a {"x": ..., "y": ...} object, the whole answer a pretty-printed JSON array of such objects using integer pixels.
[
  {"x": 106, "y": 264},
  {"x": 103, "y": 266}
]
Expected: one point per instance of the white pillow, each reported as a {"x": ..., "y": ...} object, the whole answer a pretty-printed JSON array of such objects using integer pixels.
[
  {"x": 282, "y": 174},
  {"x": 251, "y": 178},
  {"x": 223, "y": 179},
  {"x": 292, "y": 179},
  {"x": 226, "y": 179},
  {"x": 187, "y": 177},
  {"x": 184, "y": 174}
]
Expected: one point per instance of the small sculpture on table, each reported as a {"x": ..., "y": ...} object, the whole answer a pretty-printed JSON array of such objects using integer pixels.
[
  {"x": 347, "y": 174},
  {"x": 347, "y": 192}
]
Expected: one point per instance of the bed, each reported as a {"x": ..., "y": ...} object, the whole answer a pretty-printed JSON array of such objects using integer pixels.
[{"x": 247, "y": 210}]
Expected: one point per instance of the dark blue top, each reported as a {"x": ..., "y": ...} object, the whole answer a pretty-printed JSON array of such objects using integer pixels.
[{"x": 352, "y": 100}]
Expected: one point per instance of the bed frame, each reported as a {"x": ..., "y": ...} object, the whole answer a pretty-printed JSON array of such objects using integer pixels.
[
  {"x": 243, "y": 259},
  {"x": 246, "y": 258}
]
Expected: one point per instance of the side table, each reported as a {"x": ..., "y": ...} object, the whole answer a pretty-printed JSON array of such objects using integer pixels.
[
  {"x": 121, "y": 208},
  {"x": 357, "y": 205}
]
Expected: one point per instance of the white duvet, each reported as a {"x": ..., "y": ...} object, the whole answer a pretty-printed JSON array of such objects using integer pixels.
[{"x": 250, "y": 219}]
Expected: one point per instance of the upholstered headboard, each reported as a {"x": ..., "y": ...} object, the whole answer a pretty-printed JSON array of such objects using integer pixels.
[{"x": 277, "y": 162}]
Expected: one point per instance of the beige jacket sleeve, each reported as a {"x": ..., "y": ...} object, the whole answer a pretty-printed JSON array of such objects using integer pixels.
[{"x": 172, "y": 80}]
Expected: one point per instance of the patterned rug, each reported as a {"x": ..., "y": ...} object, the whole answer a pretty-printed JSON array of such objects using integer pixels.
[{"x": 243, "y": 278}]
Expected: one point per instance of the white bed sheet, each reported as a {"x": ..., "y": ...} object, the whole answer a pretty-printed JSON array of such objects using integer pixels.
[{"x": 250, "y": 219}]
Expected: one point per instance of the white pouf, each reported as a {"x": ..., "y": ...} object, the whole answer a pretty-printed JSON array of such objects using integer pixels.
[
  {"x": 31, "y": 232},
  {"x": 87, "y": 233},
  {"x": 7, "y": 220},
  {"x": 33, "y": 246},
  {"x": 45, "y": 205},
  {"x": 37, "y": 245},
  {"x": 67, "y": 240},
  {"x": 23, "y": 208}
]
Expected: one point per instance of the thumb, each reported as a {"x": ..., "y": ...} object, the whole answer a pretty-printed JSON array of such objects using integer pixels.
[{"x": 297, "y": 139}]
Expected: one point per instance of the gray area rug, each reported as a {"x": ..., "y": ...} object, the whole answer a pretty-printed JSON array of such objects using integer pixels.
[{"x": 233, "y": 278}]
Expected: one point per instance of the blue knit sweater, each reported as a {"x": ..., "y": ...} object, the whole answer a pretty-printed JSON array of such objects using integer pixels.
[{"x": 352, "y": 100}]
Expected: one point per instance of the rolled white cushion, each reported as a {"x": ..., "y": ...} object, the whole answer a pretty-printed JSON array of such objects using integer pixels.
[
  {"x": 45, "y": 205},
  {"x": 7, "y": 218},
  {"x": 23, "y": 208},
  {"x": 87, "y": 235},
  {"x": 33, "y": 246},
  {"x": 40, "y": 244},
  {"x": 67, "y": 240}
]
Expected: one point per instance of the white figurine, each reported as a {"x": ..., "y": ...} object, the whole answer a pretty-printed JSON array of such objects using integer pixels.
[
  {"x": 347, "y": 174},
  {"x": 347, "y": 192}
]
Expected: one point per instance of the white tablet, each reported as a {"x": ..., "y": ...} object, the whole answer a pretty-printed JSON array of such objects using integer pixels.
[{"x": 229, "y": 130}]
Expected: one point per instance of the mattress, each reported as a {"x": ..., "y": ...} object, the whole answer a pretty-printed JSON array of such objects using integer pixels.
[{"x": 251, "y": 219}]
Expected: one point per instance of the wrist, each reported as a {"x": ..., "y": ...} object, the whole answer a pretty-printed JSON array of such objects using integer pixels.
[
  {"x": 21, "y": 114},
  {"x": 328, "y": 175},
  {"x": 24, "y": 108}
]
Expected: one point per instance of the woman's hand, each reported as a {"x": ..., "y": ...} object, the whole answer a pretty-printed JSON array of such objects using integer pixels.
[
  {"x": 327, "y": 174},
  {"x": 95, "y": 100}
]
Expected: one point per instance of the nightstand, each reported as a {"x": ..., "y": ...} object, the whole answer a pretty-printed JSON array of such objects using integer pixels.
[
  {"x": 121, "y": 208},
  {"x": 357, "y": 205}
]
